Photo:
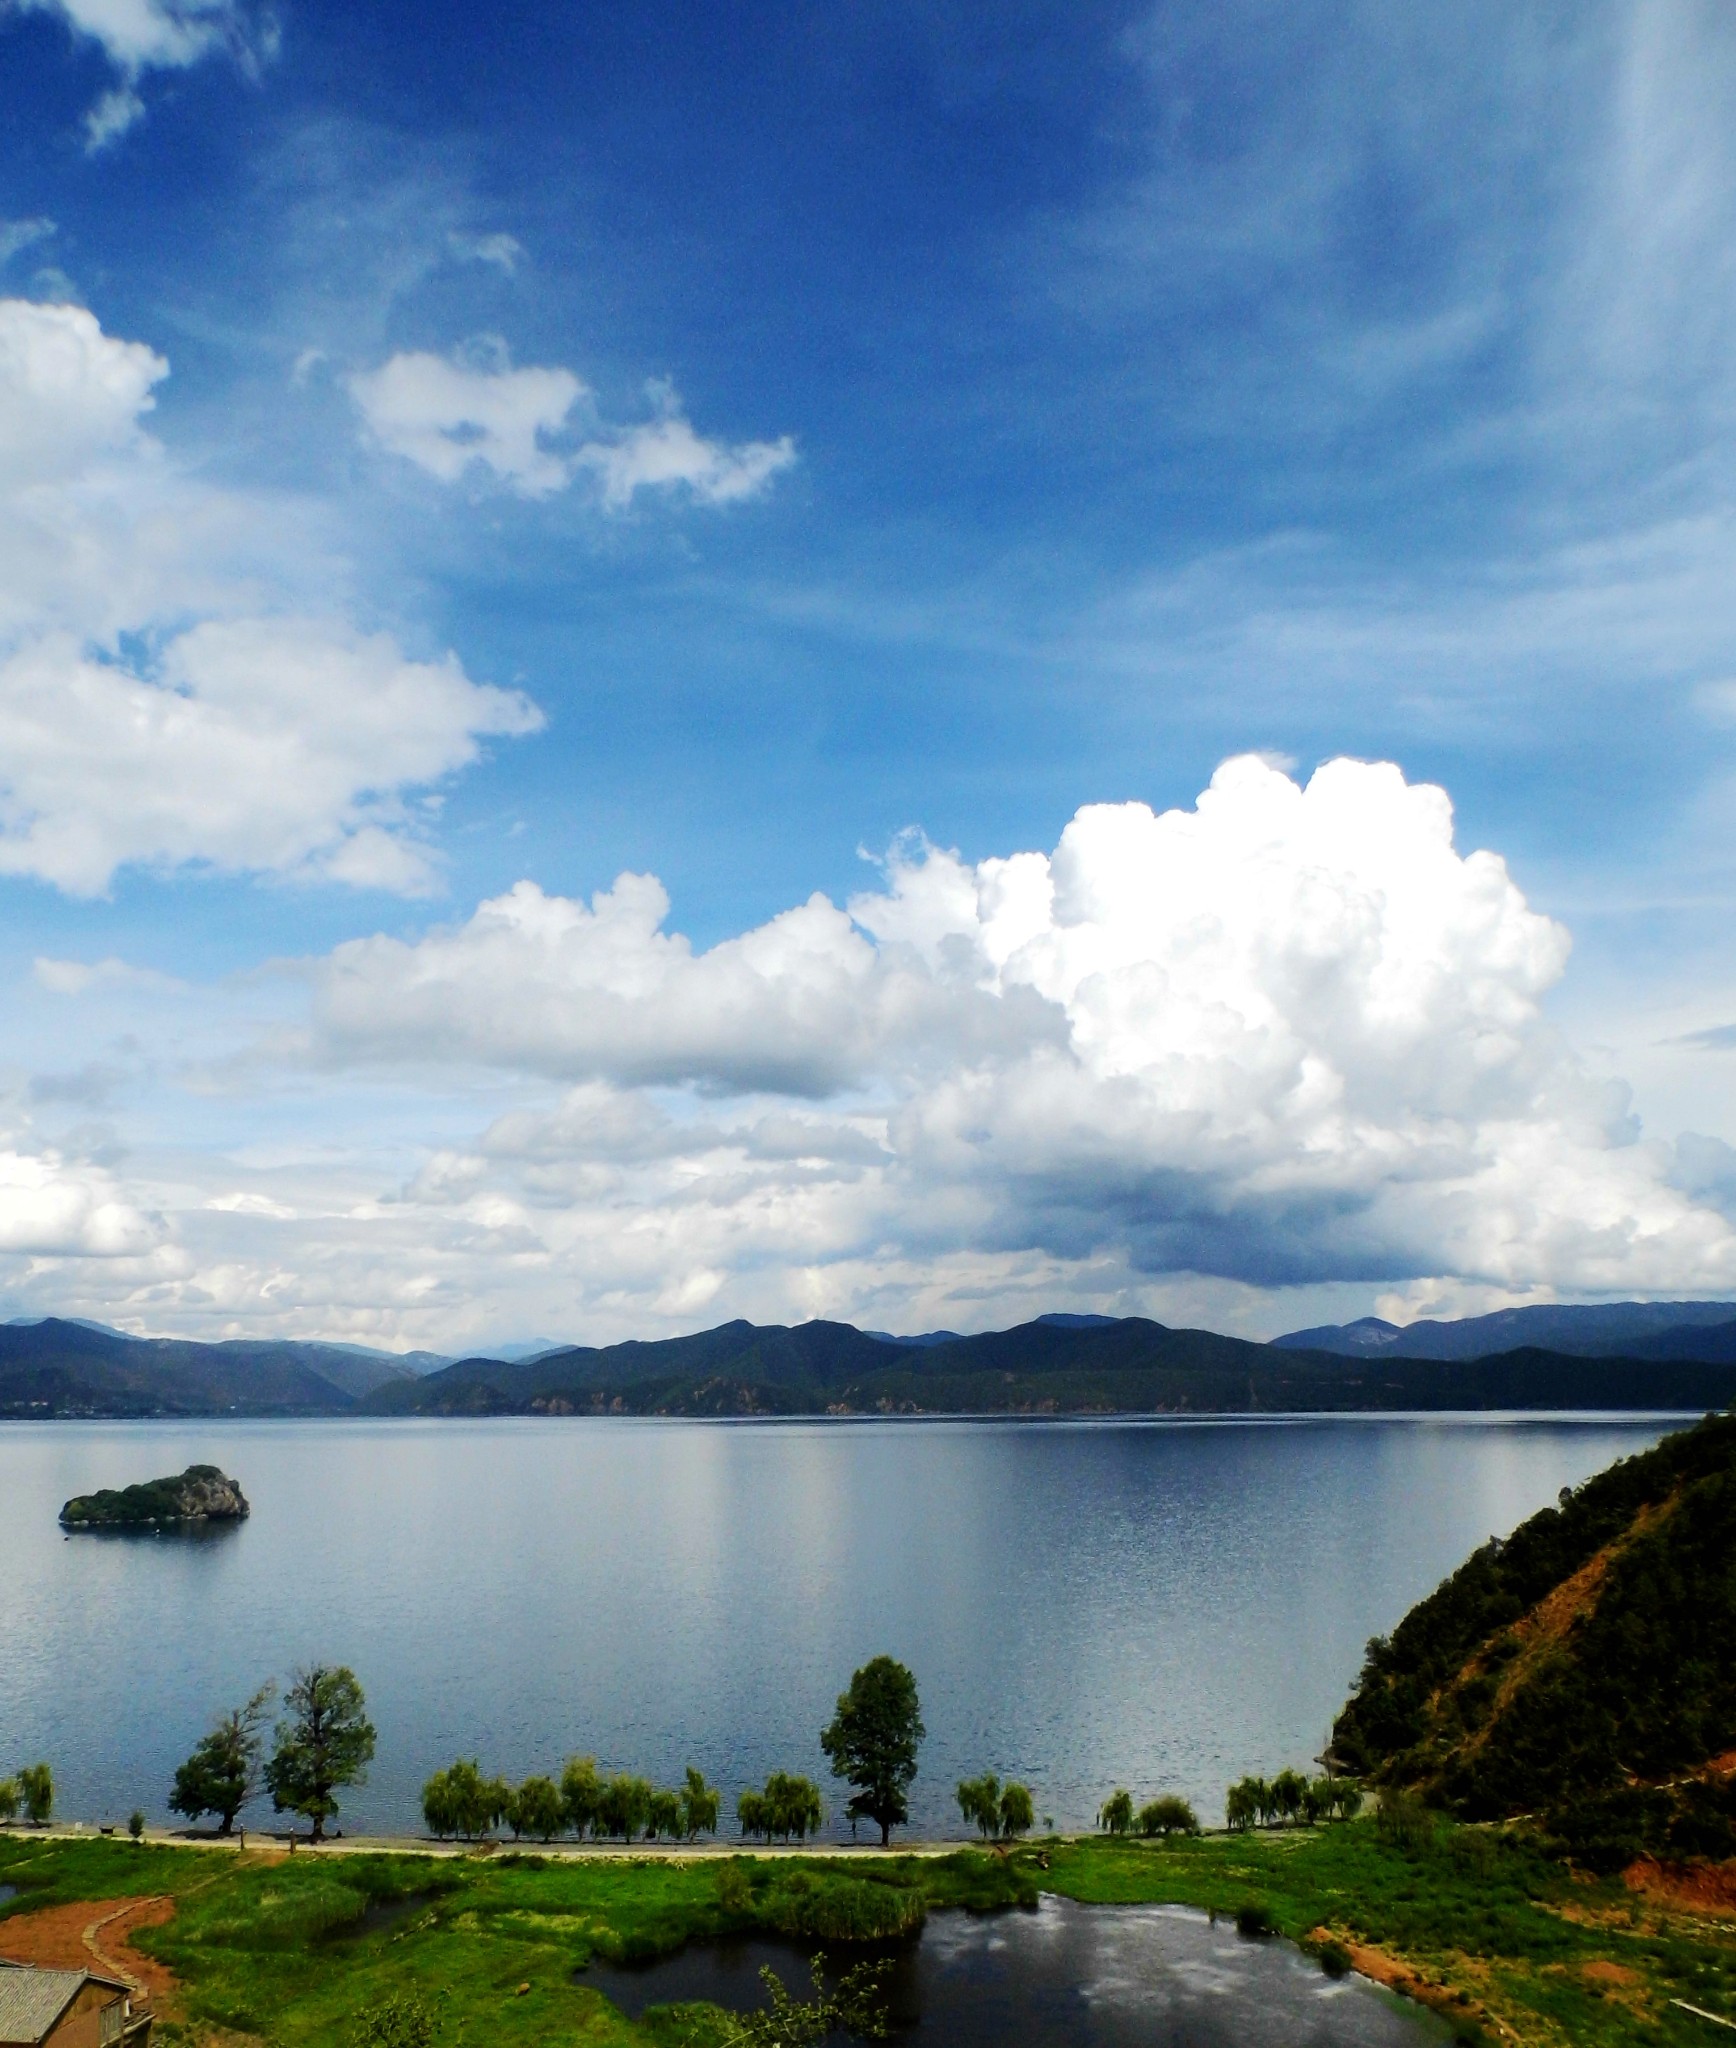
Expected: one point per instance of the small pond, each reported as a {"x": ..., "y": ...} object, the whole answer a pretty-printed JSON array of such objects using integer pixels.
[{"x": 1068, "y": 1976}]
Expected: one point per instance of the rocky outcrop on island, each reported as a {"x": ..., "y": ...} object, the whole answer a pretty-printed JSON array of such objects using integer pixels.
[{"x": 202, "y": 1493}]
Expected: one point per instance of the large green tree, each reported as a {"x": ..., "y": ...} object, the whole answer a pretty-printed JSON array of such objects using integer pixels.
[
  {"x": 872, "y": 1742},
  {"x": 222, "y": 1774},
  {"x": 325, "y": 1740}
]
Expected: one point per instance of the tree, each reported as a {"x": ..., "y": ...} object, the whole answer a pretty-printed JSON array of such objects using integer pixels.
[
  {"x": 36, "y": 1789},
  {"x": 581, "y": 1793},
  {"x": 1168, "y": 1815},
  {"x": 1317, "y": 1800},
  {"x": 663, "y": 1816},
  {"x": 1347, "y": 1797},
  {"x": 535, "y": 1809},
  {"x": 1116, "y": 1815},
  {"x": 1289, "y": 1788},
  {"x": 1264, "y": 1803},
  {"x": 750, "y": 1812},
  {"x": 136, "y": 1825},
  {"x": 624, "y": 1807},
  {"x": 1017, "y": 1813},
  {"x": 222, "y": 1774},
  {"x": 793, "y": 1807},
  {"x": 1241, "y": 1808},
  {"x": 979, "y": 1800},
  {"x": 324, "y": 1741},
  {"x": 872, "y": 1742},
  {"x": 8, "y": 1798},
  {"x": 699, "y": 1804},
  {"x": 461, "y": 1801}
]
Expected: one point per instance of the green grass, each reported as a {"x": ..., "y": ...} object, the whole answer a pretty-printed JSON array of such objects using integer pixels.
[
  {"x": 1500, "y": 1937},
  {"x": 290, "y": 1950}
]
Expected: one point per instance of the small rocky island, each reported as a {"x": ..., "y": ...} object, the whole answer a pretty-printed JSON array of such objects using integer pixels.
[{"x": 202, "y": 1493}]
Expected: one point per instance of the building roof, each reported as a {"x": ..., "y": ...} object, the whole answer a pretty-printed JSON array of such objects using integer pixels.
[{"x": 32, "y": 1999}]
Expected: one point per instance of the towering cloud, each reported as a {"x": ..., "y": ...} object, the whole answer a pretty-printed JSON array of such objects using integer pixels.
[{"x": 1289, "y": 1035}]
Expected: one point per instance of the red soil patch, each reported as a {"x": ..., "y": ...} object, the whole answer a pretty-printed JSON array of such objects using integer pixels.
[
  {"x": 1696, "y": 1887},
  {"x": 1609, "y": 1973},
  {"x": 92, "y": 1934},
  {"x": 1401, "y": 1977}
]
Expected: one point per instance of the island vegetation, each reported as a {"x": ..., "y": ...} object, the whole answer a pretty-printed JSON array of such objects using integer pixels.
[{"x": 202, "y": 1493}]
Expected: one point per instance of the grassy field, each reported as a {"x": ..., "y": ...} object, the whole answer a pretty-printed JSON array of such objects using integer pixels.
[{"x": 289, "y": 1950}]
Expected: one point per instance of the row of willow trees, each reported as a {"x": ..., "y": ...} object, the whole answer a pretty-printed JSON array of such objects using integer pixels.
[
  {"x": 1290, "y": 1797},
  {"x": 460, "y": 1800}
]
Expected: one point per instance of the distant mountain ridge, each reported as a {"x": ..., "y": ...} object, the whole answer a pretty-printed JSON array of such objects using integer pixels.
[
  {"x": 61, "y": 1367},
  {"x": 1130, "y": 1366},
  {"x": 1054, "y": 1365},
  {"x": 1704, "y": 1330}
]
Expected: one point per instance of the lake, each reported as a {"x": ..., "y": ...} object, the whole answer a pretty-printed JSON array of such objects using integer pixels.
[{"x": 1163, "y": 1605}]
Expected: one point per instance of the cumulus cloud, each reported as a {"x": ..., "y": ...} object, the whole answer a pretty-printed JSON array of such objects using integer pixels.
[
  {"x": 505, "y": 252},
  {"x": 156, "y": 35},
  {"x": 52, "y": 1208},
  {"x": 150, "y": 711},
  {"x": 1289, "y": 1036},
  {"x": 536, "y": 430}
]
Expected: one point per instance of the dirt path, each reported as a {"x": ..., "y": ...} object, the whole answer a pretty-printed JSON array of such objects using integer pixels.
[{"x": 93, "y": 1934}]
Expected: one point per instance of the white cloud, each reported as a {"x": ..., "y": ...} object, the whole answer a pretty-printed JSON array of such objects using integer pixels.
[
  {"x": 51, "y": 1208},
  {"x": 155, "y": 706},
  {"x": 446, "y": 416},
  {"x": 156, "y": 35},
  {"x": 536, "y": 431},
  {"x": 505, "y": 252},
  {"x": 18, "y": 235},
  {"x": 666, "y": 454},
  {"x": 1289, "y": 1037}
]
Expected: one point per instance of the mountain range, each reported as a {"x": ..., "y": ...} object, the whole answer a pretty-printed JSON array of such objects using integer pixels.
[{"x": 1057, "y": 1364}]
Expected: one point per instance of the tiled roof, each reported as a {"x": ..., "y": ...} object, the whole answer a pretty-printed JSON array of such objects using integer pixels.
[{"x": 31, "y": 2000}]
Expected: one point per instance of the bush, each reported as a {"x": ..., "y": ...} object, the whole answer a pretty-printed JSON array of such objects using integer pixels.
[
  {"x": 1404, "y": 1822},
  {"x": 1334, "y": 1958},
  {"x": 1255, "y": 1920},
  {"x": 1168, "y": 1815},
  {"x": 136, "y": 1825},
  {"x": 843, "y": 1909},
  {"x": 402, "y": 2022}
]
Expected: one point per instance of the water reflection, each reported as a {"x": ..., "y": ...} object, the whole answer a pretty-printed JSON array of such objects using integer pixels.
[{"x": 1069, "y": 1976}]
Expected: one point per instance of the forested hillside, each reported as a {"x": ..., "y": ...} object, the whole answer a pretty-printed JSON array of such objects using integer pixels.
[{"x": 1583, "y": 1670}]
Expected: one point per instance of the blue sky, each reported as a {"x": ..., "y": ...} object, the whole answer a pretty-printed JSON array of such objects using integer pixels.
[{"x": 751, "y": 448}]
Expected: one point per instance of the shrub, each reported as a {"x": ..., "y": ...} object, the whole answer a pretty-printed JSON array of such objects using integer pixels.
[
  {"x": 1168, "y": 1815},
  {"x": 734, "y": 1889},
  {"x": 843, "y": 1909},
  {"x": 1404, "y": 1822},
  {"x": 405, "y": 2021},
  {"x": 1334, "y": 1958},
  {"x": 136, "y": 1825},
  {"x": 1255, "y": 1920}
]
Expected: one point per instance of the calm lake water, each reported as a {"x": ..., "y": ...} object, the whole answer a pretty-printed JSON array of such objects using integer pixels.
[
  {"x": 1069, "y": 1976},
  {"x": 1164, "y": 1605}
]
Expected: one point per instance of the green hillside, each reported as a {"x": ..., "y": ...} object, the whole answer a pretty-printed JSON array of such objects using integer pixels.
[{"x": 1581, "y": 1672}]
